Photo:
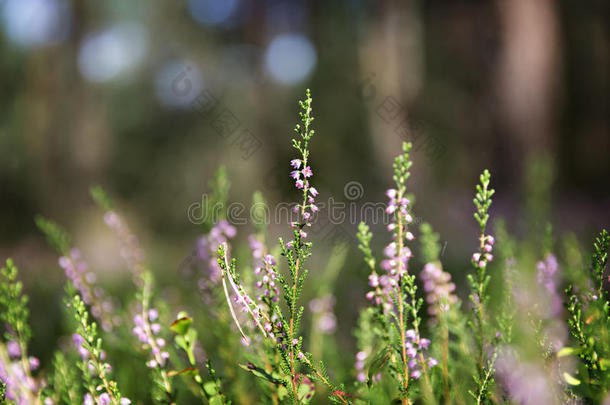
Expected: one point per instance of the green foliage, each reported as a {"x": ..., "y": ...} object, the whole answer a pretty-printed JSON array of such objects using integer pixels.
[
  {"x": 91, "y": 342},
  {"x": 508, "y": 317},
  {"x": 101, "y": 198},
  {"x": 589, "y": 322},
  {"x": 479, "y": 296},
  {"x": 2, "y": 393},
  {"x": 430, "y": 243},
  {"x": 186, "y": 339},
  {"x": 13, "y": 303},
  {"x": 65, "y": 380},
  {"x": 364, "y": 236},
  {"x": 600, "y": 262},
  {"x": 482, "y": 200},
  {"x": 56, "y": 236},
  {"x": 259, "y": 212}
]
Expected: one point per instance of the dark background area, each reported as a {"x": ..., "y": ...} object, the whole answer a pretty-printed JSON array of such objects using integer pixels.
[{"x": 87, "y": 99}]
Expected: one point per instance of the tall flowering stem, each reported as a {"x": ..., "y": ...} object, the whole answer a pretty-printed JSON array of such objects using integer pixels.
[
  {"x": 15, "y": 364},
  {"x": 396, "y": 291},
  {"x": 589, "y": 319},
  {"x": 76, "y": 269},
  {"x": 279, "y": 330},
  {"x": 478, "y": 285},
  {"x": 102, "y": 307},
  {"x": 147, "y": 329},
  {"x": 298, "y": 251},
  {"x": 101, "y": 388}
]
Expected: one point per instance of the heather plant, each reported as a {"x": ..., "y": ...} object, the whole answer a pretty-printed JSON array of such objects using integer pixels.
[{"x": 533, "y": 327}]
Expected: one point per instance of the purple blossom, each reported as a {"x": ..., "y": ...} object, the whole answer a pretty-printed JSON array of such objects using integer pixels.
[
  {"x": 102, "y": 307},
  {"x": 131, "y": 250},
  {"x": 526, "y": 383},
  {"x": 146, "y": 331},
  {"x": 264, "y": 267},
  {"x": 105, "y": 399},
  {"x": 88, "y": 400},
  {"x": 322, "y": 307},
  {"x": 207, "y": 248},
  {"x": 438, "y": 287},
  {"x": 307, "y": 172},
  {"x": 416, "y": 347},
  {"x": 13, "y": 349},
  {"x": 296, "y": 163}
]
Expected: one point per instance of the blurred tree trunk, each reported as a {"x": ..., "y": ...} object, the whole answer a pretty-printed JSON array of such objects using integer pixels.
[{"x": 527, "y": 71}]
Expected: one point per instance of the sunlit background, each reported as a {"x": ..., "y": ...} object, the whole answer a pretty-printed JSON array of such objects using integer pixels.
[{"x": 148, "y": 98}]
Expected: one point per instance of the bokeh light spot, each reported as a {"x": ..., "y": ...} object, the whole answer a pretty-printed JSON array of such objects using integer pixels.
[{"x": 290, "y": 58}]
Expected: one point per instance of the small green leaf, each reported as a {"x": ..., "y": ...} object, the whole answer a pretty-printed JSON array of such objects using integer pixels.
[
  {"x": 210, "y": 388},
  {"x": 570, "y": 380},
  {"x": 181, "y": 325},
  {"x": 261, "y": 373},
  {"x": 568, "y": 351},
  {"x": 378, "y": 363},
  {"x": 216, "y": 400},
  {"x": 186, "y": 371}
]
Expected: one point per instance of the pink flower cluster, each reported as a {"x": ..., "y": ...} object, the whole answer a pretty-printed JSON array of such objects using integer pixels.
[
  {"x": 207, "y": 247},
  {"x": 393, "y": 257},
  {"x": 395, "y": 263},
  {"x": 415, "y": 349},
  {"x": 308, "y": 208},
  {"x": 323, "y": 308},
  {"x": 131, "y": 250},
  {"x": 104, "y": 399},
  {"x": 481, "y": 259},
  {"x": 359, "y": 366},
  {"x": 147, "y": 331},
  {"x": 439, "y": 288},
  {"x": 264, "y": 268},
  {"x": 548, "y": 278},
  {"x": 102, "y": 307},
  {"x": 20, "y": 385}
]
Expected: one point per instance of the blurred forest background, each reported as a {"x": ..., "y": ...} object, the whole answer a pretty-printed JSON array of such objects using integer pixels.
[{"x": 117, "y": 93}]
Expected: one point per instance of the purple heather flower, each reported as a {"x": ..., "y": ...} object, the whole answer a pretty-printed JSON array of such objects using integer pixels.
[
  {"x": 438, "y": 287},
  {"x": 76, "y": 271},
  {"x": 34, "y": 363},
  {"x": 307, "y": 172},
  {"x": 299, "y": 184},
  {"x": 548, "y": 278},
  {"x": 88, "y": 400},
  {"x": 313, "y": 191},
  {"x": 525, "y": 383},
  {"x": 207, "y": 247},
  {"x": 105, "y": 399},
  {"x": 295, "y": 174},
  {"x": 296, "y": 163},
  {"x": 13, "y": 349},
  {"x": 78, "y": 341}
]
